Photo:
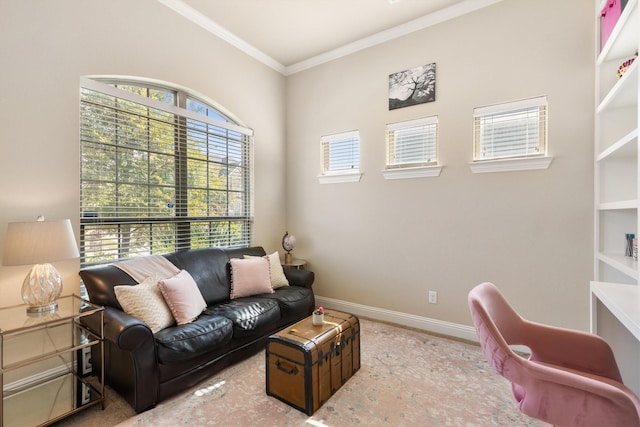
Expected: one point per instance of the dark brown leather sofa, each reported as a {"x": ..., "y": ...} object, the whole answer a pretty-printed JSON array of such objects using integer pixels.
[{"x": 146, "y": 368}]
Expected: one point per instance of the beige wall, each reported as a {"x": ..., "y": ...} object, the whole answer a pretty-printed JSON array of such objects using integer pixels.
[
  {"x": 46, "y": 46},
  {"x": 378, "y": 243},
  {"x": 384, "y": 244}
]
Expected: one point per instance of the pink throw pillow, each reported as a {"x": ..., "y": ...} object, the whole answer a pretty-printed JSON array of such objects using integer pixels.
[
  {"x": 183, "y": 297},
  {"x": 250, "y": 276}
]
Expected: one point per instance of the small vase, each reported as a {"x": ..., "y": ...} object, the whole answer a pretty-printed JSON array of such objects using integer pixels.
[{"x": 317, "y": 319}]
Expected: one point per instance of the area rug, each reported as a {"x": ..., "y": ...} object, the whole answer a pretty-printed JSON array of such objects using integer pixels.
[{"x": 407, "y": 378}]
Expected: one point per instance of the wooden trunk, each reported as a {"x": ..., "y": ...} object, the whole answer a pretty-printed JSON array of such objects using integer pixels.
[{"x": 307, "y": 364}]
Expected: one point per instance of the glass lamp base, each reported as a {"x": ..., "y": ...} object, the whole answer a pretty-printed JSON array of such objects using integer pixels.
[{"x": 41, "y": 288}]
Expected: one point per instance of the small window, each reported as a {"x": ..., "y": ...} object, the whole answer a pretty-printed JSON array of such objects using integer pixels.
[
  {"x": 511, "y": 130},
  {"x": 340, "y": 157},
  {"x": 412, "y": 143},
  {"x": 341, "y": 153}
]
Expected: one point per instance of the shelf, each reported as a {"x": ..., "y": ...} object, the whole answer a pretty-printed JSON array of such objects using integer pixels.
[
  {"x": 77, "y": 345},
  {"x": 623, "y": 301},
  {"x": 626, "y": 147},
  {"x": 622, "y": 263},
  {"x": 623, "y": 40},
  {"x": 19, "y": 408},
  {"x": 624, "y": 93},
  {"x": 622, "y": 204}
]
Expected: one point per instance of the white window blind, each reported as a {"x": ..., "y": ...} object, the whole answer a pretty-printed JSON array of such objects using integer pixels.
[
  {"x": 412, "y": 143},
  {"x": 160, "y": 171},
  {"x": 341, "y": 153},
  {"x": 514, "y": 129}
]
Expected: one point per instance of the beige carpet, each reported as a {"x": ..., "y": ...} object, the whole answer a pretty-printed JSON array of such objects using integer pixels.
[{"x": 407, "y": 378}]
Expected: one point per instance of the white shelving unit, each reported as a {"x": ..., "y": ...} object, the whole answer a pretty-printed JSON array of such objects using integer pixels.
[{"x": 617, "y": 189}]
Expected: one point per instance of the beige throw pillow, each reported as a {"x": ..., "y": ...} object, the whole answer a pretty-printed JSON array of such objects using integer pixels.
[
  {"x": 144, "y": 301},
  {"x": 249, "y": 276},
  {"x": 276, "y": 273},
  {"x": 183, "y": 297}
]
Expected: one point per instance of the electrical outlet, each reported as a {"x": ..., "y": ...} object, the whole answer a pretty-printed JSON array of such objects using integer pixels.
[
  {"x": 85, "y": 363},
  {"x": 433, "y": 297}
]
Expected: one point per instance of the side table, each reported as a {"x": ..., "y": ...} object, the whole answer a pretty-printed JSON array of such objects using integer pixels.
[
  {"x": 43, "y": 360},
  {"x": 297, "y": 264}
]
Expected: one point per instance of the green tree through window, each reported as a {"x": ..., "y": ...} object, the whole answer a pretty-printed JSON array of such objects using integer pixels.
[{"x": 161, "y": 171}]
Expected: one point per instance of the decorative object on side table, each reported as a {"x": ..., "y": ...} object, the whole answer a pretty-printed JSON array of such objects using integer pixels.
[
  {"x": 318, "y": 316},
  {"x": 288, "y": 243},
  {"x": 40, "y": 243}
]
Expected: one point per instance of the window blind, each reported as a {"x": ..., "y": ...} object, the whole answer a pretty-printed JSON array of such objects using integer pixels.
[
  {"x": 412, "y": 143},
  {"x": 341, "y": 152},
  {"x": 157, "y": 177},
  {"x": 515, "y": 129}
]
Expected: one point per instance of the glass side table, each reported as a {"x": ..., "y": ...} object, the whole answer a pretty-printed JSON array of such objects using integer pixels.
[{"x": 46, "y": 359}]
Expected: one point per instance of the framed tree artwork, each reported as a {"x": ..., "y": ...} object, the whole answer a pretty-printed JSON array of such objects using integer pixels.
[{"x": 412, "y": 87}]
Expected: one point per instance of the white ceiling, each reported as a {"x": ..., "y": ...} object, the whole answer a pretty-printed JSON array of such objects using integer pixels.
[{"x": 291, "y": 35}]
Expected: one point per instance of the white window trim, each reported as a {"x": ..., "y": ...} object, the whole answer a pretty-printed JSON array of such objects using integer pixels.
[
  {"x": 408, "y": 173},
  {"x": 338, "y": 178},
  {"x": 511, "y": 165}
]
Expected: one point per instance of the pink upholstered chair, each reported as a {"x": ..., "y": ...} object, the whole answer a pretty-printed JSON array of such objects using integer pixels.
[{"x": 571, "y": 377}]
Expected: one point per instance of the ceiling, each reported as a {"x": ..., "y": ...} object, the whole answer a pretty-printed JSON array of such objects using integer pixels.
[{"x": 291, "y": 35}]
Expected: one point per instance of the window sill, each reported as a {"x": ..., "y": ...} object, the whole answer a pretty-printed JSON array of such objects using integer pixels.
[
  {"x": 339, "y": 178},
  {"x": 415, "y": 172},
  {"x": 510, "y": 165}
]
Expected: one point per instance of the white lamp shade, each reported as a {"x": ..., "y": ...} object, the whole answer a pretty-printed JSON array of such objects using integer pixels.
[{"x": 39, "y": 242}]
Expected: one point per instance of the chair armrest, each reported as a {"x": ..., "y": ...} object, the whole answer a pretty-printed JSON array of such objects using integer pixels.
[
  {"x": 614, "y": 404},
  {"x": 572, "y": 349},
  {"x": 298, "y": 277}
]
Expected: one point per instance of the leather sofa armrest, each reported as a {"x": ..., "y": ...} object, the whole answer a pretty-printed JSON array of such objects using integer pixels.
[
  {"x": 126, "y": 331},
  {"x": 130, "y": 358},
  {"x": 297, "y": 277},
  {"x": 123, "y": 330}
]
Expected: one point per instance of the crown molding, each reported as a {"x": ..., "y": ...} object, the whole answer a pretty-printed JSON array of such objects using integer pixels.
[
  {"x": 418, "y": 24},
  {"x": 421, "y": 23},
  {"x": 216, "y": 29}
]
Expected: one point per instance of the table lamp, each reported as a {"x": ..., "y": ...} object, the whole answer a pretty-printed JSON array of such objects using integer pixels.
[{"x": 40, "y": 243}]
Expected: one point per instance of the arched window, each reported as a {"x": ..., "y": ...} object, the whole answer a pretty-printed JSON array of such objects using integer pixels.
[{"x": 161, "y": 170}]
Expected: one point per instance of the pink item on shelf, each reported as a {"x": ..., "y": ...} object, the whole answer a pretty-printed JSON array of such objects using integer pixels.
[{"x": 608, "y": 18}]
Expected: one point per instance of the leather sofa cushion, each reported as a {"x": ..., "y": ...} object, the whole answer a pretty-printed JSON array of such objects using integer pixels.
[
  {"x": 184, "y": 342},
  {"x": 250, "y": 315},
  {"x": 293, "y": 300},
  {"x": 208, "y": 267}
]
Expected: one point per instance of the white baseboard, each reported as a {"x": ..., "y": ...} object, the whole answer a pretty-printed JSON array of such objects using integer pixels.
[{"x": 404, "y": 319}]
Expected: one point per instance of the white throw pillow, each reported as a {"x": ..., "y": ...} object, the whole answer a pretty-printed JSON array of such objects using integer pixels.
[
  {"x": 276, "y": 273},
  {"x": 144, "y": 301}
]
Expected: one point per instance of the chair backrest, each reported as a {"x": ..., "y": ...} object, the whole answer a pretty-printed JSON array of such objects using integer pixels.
[
  {"x": 497, "y": 325},
  {"x": 582, "y": 392}
]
